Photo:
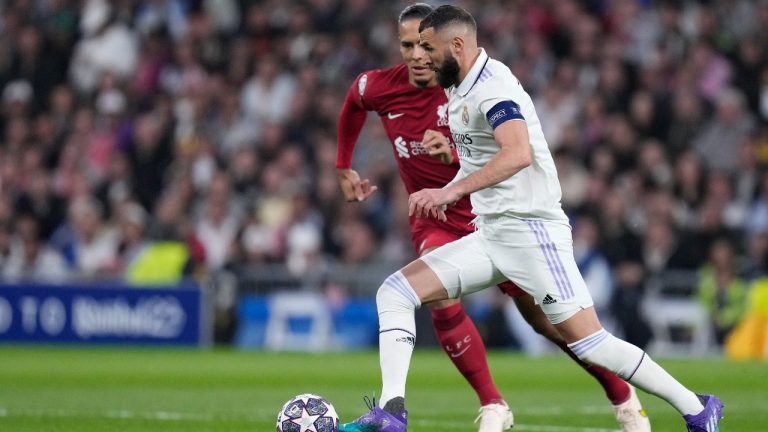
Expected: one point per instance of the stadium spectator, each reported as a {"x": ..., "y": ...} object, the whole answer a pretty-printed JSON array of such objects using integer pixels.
[
  {"x": 109, "y": 48},
  {"x": 718, "y": 142},
  {"x": 593, "y": 266},
  {"x": 218, "y": 225},
  {"x": 132, "y": 221},
  {"x": 722, "y": 290},
  {"x": 30, "y": 258},
  {"x": 88, "y": 244},
  {"x": 39, "y": 201},
  {"x": 5, "y": 242}
]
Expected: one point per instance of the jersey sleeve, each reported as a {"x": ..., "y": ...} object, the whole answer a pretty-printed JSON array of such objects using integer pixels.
[
  {"x": 351, "y": 122},
  {"x": 499, "y": 101}
]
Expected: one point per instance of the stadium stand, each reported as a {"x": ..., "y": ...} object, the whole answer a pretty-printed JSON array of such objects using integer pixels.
[{"x": 209, "y": 125}]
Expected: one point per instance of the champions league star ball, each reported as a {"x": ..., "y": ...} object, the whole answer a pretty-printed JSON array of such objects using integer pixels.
[{"x": 307, "y": 413}]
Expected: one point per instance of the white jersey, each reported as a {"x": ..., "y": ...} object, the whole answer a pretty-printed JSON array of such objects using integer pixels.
[{"x": 488, "y": 96}]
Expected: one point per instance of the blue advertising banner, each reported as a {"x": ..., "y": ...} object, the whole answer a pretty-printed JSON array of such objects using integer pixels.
[{"x": 110, "y": 314}]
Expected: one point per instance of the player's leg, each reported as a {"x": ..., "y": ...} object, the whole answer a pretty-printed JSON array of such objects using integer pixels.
[
  {"x": 627, "y": 407},
  {"x": 616, "y": 389},
  {"x": 396, "y": 301},
  {"x": 541, "y": 262},
  {"x": 461, "y": 341},
  {"x": 593, "y": 344},
  {"x": 459, "y": 337},
  {"x": 434, "y": 277},
  {"x": 455, "y": 331}
]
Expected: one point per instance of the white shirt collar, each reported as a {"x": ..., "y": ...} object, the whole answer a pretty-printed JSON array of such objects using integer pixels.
[{"x": 474, "y": 74}]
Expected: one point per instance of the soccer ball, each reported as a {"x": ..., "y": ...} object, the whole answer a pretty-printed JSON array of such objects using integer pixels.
[{"x": 307, "y": 413}]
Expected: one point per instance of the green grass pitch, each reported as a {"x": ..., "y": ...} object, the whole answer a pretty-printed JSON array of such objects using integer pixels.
[{"x": 155, "y": 390}]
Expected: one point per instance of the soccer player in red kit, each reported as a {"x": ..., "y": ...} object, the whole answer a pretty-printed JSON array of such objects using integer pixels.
[{"x": 413, "y": 111}]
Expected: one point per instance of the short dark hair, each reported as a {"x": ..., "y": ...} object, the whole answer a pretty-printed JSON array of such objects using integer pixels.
[
  {"x": 445, "y": 16},
  {"x": 415, "y": 11}
]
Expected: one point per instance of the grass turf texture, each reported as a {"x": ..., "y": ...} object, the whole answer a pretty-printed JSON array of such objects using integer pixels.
[{"x": 64, "y": 389}]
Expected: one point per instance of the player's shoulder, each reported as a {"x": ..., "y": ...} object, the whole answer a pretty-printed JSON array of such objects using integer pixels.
[
  {"x": 374, "y": 81},
  {"x": 497, "y": 72},
  {"x": 499, "y": 67},
  {"x": 496, "y": 78}
]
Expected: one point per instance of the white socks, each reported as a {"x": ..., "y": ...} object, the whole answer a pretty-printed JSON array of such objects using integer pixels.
[
  {"x": 632, "y": 364},
  {"x": 396, "y": 302}
]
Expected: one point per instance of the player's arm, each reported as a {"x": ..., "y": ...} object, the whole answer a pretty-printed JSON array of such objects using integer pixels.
[
  {"x": 511, "y": 134},
  {"x": 351, "y": 121},
  {"x": 513, "y": 156}
]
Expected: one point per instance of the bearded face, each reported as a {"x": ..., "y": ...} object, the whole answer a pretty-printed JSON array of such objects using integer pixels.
[{"x": 448, "y": 72}]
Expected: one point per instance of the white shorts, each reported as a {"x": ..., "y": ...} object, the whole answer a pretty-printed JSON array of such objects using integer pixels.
[{"x": 537, "y": 255}]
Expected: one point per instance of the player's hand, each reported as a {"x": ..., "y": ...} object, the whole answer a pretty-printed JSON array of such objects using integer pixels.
[
  {"x": 438, "y": 146},
  {"x": 432, "y": 202},
  {"x": 352, "y": 187}
]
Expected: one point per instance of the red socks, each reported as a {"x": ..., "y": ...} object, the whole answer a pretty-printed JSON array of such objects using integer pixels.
[
  {"x": 615, "y": 388},
  {"x": 460, "y": 340}
]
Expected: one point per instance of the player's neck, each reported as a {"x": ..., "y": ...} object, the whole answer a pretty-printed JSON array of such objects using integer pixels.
[{"x": 466, "y": 64}]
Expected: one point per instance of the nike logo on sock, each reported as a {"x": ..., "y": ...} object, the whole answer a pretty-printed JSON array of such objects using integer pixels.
[{"x": 454, "y": 355}]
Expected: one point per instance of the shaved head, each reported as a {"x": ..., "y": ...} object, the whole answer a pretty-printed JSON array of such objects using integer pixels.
[
  {"x": 448, "y": 37},
  {"x": 450, "y": 17}
]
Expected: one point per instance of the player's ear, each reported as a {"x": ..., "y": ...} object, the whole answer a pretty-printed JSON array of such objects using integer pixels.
[{"x": 457, "y": 44}]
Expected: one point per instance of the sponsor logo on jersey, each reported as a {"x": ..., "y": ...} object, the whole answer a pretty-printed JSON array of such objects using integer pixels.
[
  {"x": 406, "y": 149},
  {"x": 442, "y": 115},
  {"x": 393, "y": 116},
  {"x": 462, "y": 138},
  {"x": 361, "y": 84},
  {"x": 463, "y": 151},
  {"x": 402, "y": 148},
  {"x": 465, "y": 115},
  {"x": 461, "y": 141}
]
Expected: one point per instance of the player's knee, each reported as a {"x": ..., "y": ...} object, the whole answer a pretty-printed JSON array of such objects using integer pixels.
[
  {"x": 396, "y": 293},
  {"x": 545, "y": 328},
  {"x": 603, "y": 349},
  {"x": 443, "y": 304},
  {"x": 537, "y": 319}
]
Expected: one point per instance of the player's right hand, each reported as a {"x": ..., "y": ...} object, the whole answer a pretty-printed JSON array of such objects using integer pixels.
[
  {"x": 432, "y": 202},
  {"x": 438, "y": 146},
  {"x": 352, "y": 187}
]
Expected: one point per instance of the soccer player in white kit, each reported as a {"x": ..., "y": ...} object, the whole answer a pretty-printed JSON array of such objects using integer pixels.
[{"x": 522, "y": 232}]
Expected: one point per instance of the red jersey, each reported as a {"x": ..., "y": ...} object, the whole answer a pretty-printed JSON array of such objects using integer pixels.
[{"x": 406, "y": 112}]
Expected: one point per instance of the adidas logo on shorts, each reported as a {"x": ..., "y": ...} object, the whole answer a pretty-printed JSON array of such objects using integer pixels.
[{"x": 548, "y": 300}]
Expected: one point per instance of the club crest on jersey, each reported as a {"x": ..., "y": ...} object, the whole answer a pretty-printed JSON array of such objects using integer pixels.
[
  {"x": 442, "y": 115},
  {"x": 465, "y": 115},
  {"x": 361, "y": 84}
]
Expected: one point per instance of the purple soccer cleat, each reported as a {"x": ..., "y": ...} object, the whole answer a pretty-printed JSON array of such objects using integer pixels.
[
  {"x": 376, "y": 420},
  {"x": 708, "y": 420}
]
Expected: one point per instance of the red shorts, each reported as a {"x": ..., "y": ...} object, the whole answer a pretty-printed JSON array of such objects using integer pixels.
[
  {"x": 427, "y": 236},
  {"x": 511, "y": 289}
]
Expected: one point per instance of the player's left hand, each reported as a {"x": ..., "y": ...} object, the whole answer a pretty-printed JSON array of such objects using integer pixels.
[
  {"x": 438, "y": 146},
  {"x": 432, "y": 202}
]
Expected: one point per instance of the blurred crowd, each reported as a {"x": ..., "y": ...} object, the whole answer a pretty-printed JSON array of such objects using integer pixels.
[{"x": 147, "y": 139}]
